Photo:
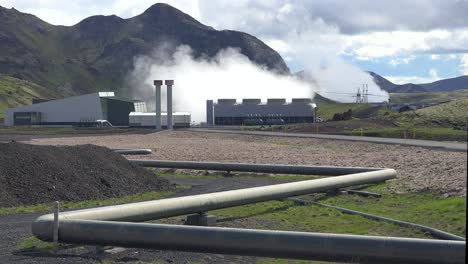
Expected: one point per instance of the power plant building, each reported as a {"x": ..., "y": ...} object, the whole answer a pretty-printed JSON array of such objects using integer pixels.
[
  {"x": 84, "y": 110},
  {"x": 254, "y": 112},
  {"x": 139, "y": 119}
]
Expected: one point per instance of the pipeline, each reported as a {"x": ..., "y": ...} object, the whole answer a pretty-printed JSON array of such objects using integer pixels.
[
  {"x": 111, "y": 225},
  {"x": 132, "y": 151},
  {"x": 265, "y": 243},
  {"x": 248, "y": 167},
  {"x": 433, "y": 231}
]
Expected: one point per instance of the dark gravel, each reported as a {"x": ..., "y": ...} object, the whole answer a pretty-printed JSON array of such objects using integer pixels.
[{"x": 31, "y": 174}]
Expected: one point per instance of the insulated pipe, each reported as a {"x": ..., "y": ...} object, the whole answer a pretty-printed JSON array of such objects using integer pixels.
[
  {"x": 249, "y": 167},
  {"x": 151, "y": 210},
  {"x": 132, "y": 151},
  {"x": 158, "y": 84},
  {"x": 169, "y": 84},
  {"x": 267, "y": 243}
]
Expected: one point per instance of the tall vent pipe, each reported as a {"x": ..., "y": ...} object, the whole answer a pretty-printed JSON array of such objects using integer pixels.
[
  {"x": 158, "y": 84},
  {"x": 169, "y": 84}
]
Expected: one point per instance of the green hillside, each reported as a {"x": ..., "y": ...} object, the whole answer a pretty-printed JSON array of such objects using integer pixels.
[
  {"x": 452, "y": 114},
  {"x": 15, "y": 92},
  {"x": 427, "y": 97}
]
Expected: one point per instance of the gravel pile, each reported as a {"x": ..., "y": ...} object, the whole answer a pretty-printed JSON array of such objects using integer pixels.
[
  {"x": 32, "y": 174},
  {"x": 419, "y": 169}
]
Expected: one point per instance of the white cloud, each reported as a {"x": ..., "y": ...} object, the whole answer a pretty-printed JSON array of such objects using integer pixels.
[
  {"x": 435, "y": 57},
  {"x": 464, "y": 64},
  {"x": 433, "y": 75},
  {"x": 397, "y": 61}
]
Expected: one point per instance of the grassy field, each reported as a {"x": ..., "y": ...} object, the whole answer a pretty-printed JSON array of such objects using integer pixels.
[
  {"x": 447, "y": 114},
  {"x": 427, "y": 97},
  {"x": 327, "y": 110}
]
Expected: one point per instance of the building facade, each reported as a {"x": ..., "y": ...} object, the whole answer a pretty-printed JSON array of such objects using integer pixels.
[
  {"x": 254, "y": 112},
  {"x": 82, "y": 110}
]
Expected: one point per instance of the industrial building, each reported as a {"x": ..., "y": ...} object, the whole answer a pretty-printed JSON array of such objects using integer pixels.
[
  {"x": 84, "y": 110},
  {"x": 139, "y": 119},
  {"x": 253, "y": 112}
]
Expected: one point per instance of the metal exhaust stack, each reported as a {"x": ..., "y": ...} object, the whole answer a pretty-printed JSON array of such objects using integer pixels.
[
  {"x": 158, "y": 84},
  {"x": 169, "y": 84}
]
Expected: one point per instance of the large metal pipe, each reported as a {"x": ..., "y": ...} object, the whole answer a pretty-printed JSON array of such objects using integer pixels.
[
  {"x": 132, "y": 151},
  {"x": 150, "y": 210},
  {"x": 249, "y": 167},
  {"x": 169, "y": 84},
  {"x": 91, "y": 226},
  {"x": 268, "y": 243},
  {"x": 158, "y": 84}
]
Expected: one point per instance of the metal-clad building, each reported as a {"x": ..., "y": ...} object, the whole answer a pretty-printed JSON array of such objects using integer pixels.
[
  {"x": 82, "y": 110},
  {"x": 254, "y": 112},
  {"x": 138, "y": 119}
]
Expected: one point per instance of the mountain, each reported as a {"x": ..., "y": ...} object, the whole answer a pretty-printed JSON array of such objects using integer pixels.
[
  {"x": 97, "y": 53},
  {"x": 445, "y": 85},
  {"x": 390, "y": 87}
]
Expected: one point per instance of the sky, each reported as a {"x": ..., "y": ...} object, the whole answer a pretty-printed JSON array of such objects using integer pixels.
[{"x": 415, "y": 41}]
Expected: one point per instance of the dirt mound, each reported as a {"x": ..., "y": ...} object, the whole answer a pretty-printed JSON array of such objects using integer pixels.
[{"x": 31, "y": 174}]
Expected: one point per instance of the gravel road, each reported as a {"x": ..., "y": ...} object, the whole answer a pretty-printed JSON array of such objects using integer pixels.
[{"x": 419, "y": 169}]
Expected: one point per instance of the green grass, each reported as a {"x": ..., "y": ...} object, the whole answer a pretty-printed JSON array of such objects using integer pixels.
[
  {"x": 448, "y": 214},
  {"x": 326, "y": 111},
  {"x": 444, "y": 115},
  {"x": 87, "y": 204},
  {"x": 33, "y": 244},
  {"x": 15, "y": 92}
]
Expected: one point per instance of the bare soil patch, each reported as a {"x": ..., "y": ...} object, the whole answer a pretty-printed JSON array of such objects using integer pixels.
[{"x": 32, "y": 174}]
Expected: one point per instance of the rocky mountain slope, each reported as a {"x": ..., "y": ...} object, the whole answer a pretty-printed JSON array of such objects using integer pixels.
[
  {"x": 444, "y": 85},
  {"x": 97, "y": 53}
]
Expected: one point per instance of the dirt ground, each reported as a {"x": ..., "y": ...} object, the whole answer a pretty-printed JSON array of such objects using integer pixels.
[
  {"x": 32, "y": 174},
  {"x": 419, "y": 169}
]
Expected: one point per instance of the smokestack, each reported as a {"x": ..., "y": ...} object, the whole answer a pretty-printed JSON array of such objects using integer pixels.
[
  {"x": 158, "y": 84},
  {"x": 209, "y": 112},
  {"x": 169, "y": 84}
]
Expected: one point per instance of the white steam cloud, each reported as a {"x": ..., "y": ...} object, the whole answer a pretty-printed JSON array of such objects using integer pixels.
[{"x": 228, "y": 75}]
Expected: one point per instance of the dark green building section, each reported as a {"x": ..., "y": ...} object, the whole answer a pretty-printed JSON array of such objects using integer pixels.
[
  {"x": 116, "y": 110},
  {"x": 26, "y": 118}
]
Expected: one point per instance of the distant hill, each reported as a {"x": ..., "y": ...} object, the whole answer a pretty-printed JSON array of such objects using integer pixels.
[
  {"x": 97, "y": 53},
  {"x": 390, "y": 87},
  {"x": 428, "y": 97},
  {"x": 445, "y": 85}
]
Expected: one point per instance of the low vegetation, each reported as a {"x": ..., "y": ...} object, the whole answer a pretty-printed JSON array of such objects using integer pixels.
[
  {"x": 88, "y": 204},
  {"x": 15, "y": 92}
]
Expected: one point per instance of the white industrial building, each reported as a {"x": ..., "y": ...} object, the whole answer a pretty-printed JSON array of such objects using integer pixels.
[
  {"x": 82, "y": 110},
  {"x": 275, "y": 111},
  {"x": 139, "y": 119}
]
